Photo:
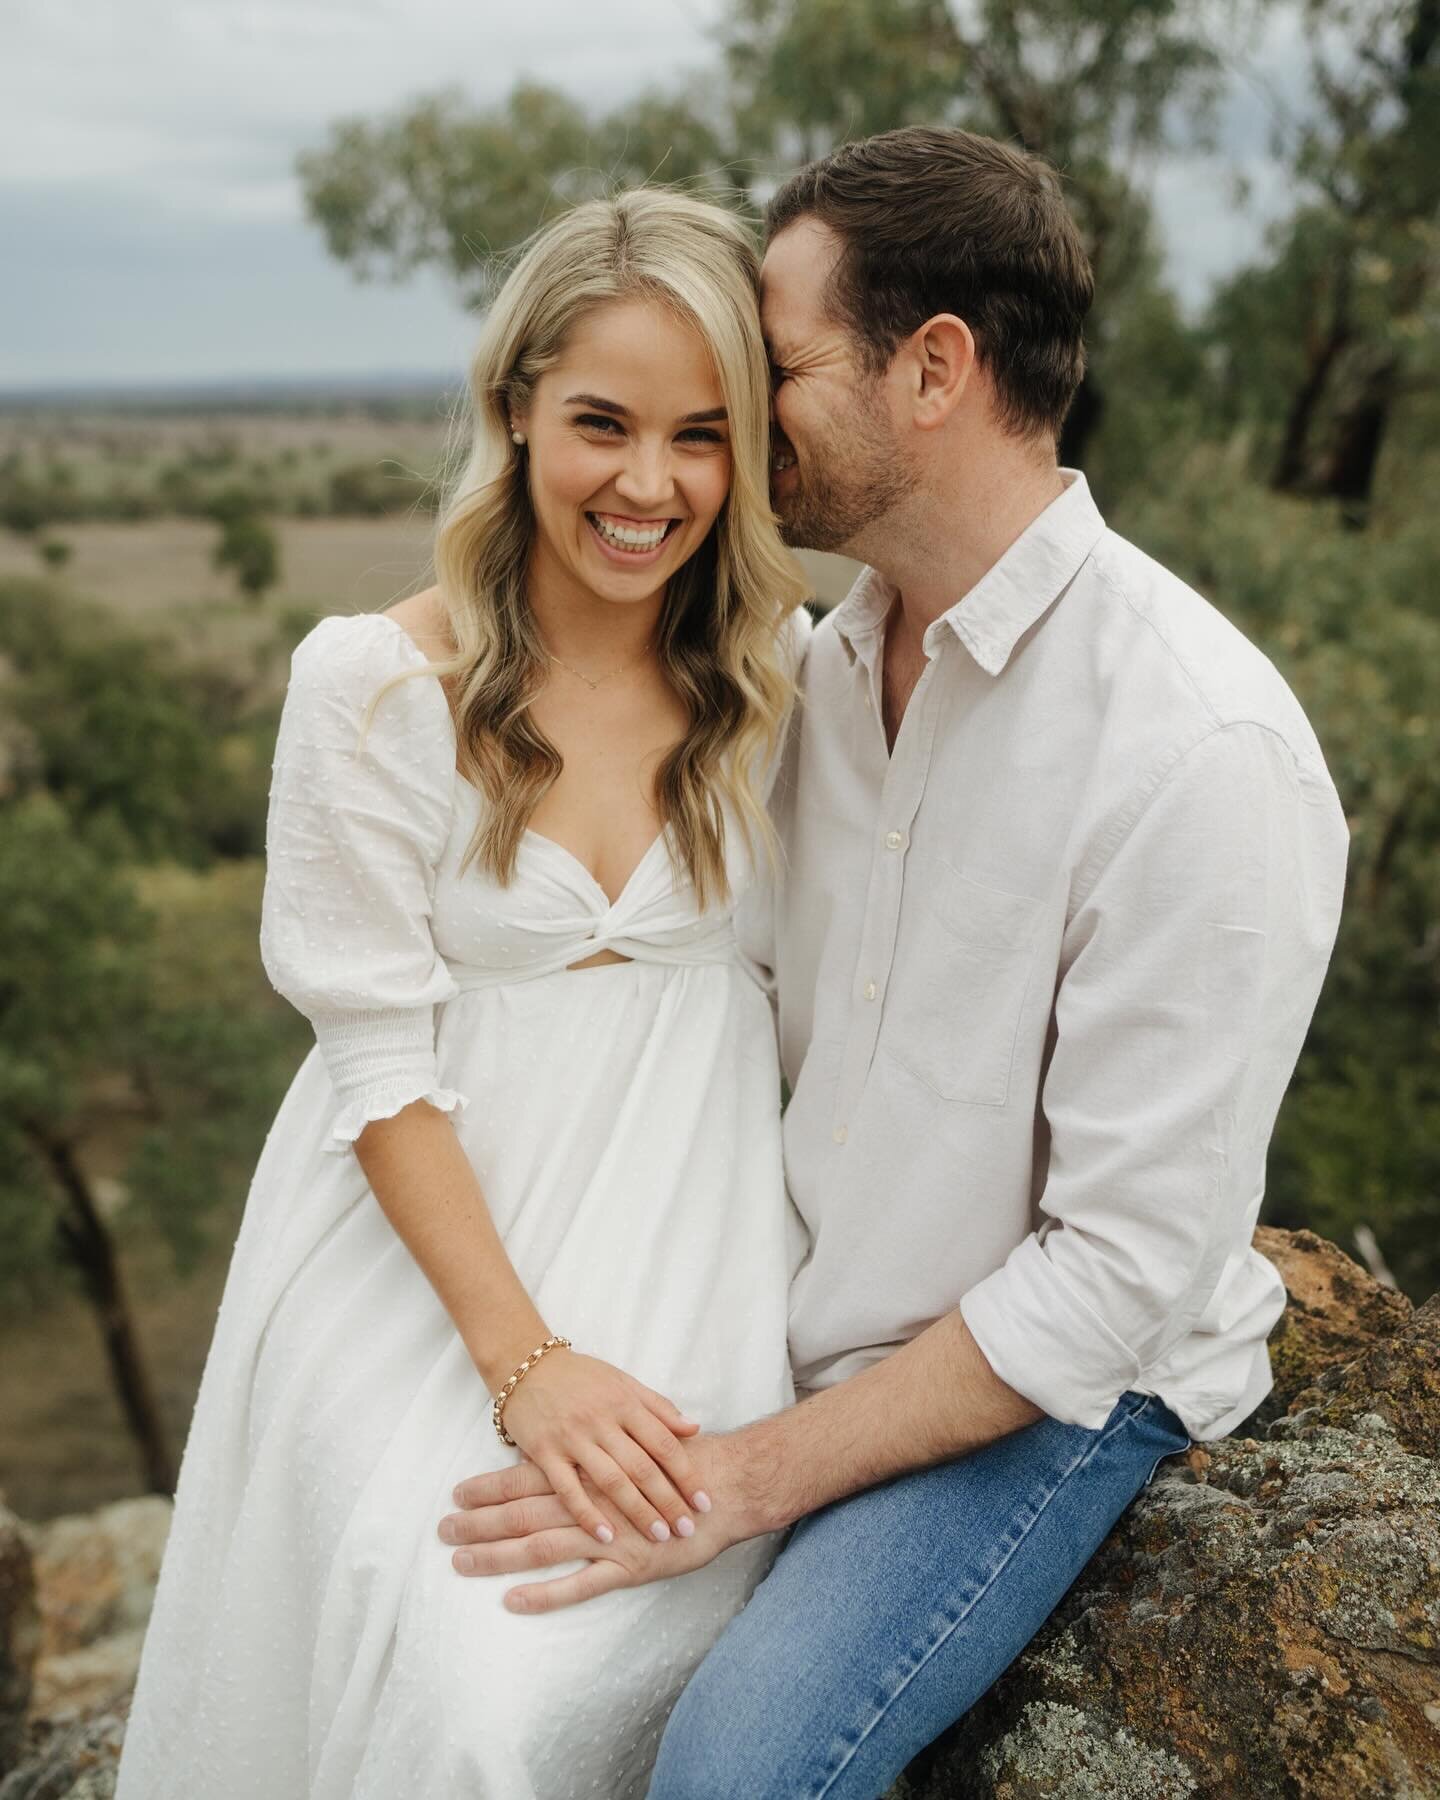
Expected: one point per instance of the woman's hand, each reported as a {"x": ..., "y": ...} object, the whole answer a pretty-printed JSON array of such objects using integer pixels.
[
  {"x": 511, "y": 1522},
  {"x": 574, "y": 1415}
]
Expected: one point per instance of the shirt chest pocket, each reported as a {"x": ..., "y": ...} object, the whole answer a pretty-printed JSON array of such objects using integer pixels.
[{"x": 963, "y": 966}]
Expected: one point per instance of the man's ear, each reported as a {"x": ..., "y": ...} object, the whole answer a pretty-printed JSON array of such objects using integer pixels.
[{"x": 943, "y": 362}]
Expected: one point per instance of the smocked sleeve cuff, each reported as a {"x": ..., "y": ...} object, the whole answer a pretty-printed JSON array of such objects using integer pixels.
[
  {"x": 1044, "y": 1341},
  {"x": 379, "y": 1060},
  {"x": 383, "y": 1103}
]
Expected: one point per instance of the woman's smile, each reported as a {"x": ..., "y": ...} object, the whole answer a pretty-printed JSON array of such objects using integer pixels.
[{"x": 628, "y": 541}]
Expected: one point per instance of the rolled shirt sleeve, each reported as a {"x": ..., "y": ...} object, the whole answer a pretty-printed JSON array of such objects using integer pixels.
[
  {"x": 1190, "y": 969},
  {"x": 353, "y": 838}
]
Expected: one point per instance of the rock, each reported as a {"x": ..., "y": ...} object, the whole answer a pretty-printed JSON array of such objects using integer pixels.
[
  {"x": 1394, "y": 1387},
  {"x": 19, "y": 1635},
  {"x": 1336, "y": 1309},
  {"x": 75, "y": 1762},
  {"x": 93, "y": 1585},
  {"x": 96, "y": 1572},
  {"x": 79, "y": 1684},
  {"x": 1264, "y": 1622}
]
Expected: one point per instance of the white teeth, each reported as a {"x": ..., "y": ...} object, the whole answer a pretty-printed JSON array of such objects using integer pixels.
[
  {"x": 782, "y": 459},
  {"x": 628, "y": 536}
]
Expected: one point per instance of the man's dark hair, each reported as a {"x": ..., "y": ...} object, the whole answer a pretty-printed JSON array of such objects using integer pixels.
[{"x": 936, "y": 221}]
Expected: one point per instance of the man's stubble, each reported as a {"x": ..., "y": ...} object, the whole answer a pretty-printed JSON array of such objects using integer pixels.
[{"x": 853, "y": 476}]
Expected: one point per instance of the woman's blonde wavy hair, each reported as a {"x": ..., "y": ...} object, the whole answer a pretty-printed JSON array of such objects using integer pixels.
[{"x": 719, "y": 639}]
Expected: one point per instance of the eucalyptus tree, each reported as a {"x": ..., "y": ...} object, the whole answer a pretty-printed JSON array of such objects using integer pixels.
[
  {"x": 1093, "y": 85},
  {"x": 1330, "y": 336}
]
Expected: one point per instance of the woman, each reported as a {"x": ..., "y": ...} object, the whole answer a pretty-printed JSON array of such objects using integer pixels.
[{"x": 544, "y": 1099}]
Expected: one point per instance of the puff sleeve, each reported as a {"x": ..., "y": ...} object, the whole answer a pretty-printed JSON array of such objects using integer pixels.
[{"x": 353, "y": 840}]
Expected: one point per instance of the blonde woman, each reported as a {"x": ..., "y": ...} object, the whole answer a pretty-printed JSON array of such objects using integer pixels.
[{"x": 525, "y": 1196}]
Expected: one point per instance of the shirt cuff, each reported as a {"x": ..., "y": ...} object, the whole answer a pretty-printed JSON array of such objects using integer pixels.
[{"x": 1044, "y": 1341}]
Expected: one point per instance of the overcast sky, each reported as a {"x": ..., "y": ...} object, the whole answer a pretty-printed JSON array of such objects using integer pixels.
[{"x": 150, "y": 219}]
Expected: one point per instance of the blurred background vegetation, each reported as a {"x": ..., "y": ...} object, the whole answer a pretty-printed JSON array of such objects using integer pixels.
[{"x": 1279, "y": 451}]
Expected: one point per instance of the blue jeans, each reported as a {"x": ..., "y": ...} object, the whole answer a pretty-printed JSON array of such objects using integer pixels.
[{"x": 887, "y": 1615}]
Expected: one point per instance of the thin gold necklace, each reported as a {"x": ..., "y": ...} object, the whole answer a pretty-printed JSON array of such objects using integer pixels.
[{"x": 599, "y": 679}]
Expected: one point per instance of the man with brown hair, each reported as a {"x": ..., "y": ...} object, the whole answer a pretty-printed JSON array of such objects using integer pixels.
[{"x": 1064, "y": 872}]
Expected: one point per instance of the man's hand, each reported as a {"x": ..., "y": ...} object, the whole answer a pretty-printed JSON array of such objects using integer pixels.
[
  {"x": 931, "y": 1400},
  {"x": 513, "y": 1521}
]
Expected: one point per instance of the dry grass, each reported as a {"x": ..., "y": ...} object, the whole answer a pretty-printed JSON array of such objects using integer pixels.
[{"x": 159, "y": 572}]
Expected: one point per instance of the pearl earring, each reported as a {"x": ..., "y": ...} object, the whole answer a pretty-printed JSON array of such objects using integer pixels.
[{"x": 518, "y": 437}]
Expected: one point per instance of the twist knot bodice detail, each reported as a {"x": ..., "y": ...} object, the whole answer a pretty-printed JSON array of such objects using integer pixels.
[
  {"x": 372, "y": 918},
  {"x": 554, "y": 914}
]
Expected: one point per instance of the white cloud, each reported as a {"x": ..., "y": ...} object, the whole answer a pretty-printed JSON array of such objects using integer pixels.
[
  {"x": 150, "y": 213},
  {"x": 149, "y": 91}
]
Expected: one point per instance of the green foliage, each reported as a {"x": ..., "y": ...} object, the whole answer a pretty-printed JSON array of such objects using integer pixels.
[
  {"x": 139, "y": 1039},
  {"x": 369, "y": 491},
  {"x": 71, "y": 981},
  {"x": 108, "y": 726},
  {"x": 1354, "y": 626},
  {"x": 443, "y": 185},
  {"x": 1090, "y": 85},
  {"x": 1321, "y": 344},
  {"x": 217, "y": 1054},
  {"x": 807, "y": 76},
  {"x": 250, "y": 549}
]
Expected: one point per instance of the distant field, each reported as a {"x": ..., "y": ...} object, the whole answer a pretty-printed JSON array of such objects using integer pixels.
[
  {"x": 128, "y": 435},
  {"x": 159, "y": 571}
]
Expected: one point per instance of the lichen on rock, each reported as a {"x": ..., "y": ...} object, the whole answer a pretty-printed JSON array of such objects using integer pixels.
[{"x": 1263, "y": 1622}]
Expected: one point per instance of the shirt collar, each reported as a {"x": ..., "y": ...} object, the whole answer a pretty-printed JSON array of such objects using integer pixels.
[{"x": 1009, "y": 598}]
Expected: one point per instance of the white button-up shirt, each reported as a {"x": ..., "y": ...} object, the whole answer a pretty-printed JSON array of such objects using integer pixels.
[{"x": 1043, "y": 974}]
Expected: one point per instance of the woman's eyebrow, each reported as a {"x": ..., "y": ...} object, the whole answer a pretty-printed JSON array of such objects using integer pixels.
[
  {"x": 610, "y": 406},
  {"x": 716, "y": 414}
]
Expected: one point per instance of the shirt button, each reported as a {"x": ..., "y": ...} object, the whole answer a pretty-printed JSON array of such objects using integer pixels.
[
  {"x": 894, "y": 839},
  {"x": 840, "y": 1134},
  {"x": 871, "y": 990}
]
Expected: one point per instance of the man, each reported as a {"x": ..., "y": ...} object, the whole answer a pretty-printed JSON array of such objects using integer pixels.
[{"x": 1064, "y": 872}]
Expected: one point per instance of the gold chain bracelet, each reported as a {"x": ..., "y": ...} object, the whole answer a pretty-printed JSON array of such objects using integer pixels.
[{"x": 497, "y": 1411}]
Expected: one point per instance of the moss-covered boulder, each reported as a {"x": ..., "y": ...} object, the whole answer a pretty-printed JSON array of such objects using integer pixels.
[
  {"x": 1264, "y": 1622},
  {"x": 1335, "y": 1309}
]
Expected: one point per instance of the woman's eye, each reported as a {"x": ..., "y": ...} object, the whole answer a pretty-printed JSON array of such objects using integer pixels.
[
  {"x": 597, "y": 422},
  {"x": 697, "y": 434}
]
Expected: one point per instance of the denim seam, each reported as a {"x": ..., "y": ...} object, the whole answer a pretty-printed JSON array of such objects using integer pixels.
[{"x": 949, "y": 1631}]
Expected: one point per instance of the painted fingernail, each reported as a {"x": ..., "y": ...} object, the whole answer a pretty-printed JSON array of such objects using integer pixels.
[
  {"x": 686, "y": 1527},
  {"x": 660, "y": 1531},
  {"x": 702, "y": 1501},
  {"x": 605, "y": 1534}
]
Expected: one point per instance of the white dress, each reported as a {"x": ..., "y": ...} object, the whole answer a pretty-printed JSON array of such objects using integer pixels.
[{"x": 310, "y": 1637}]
